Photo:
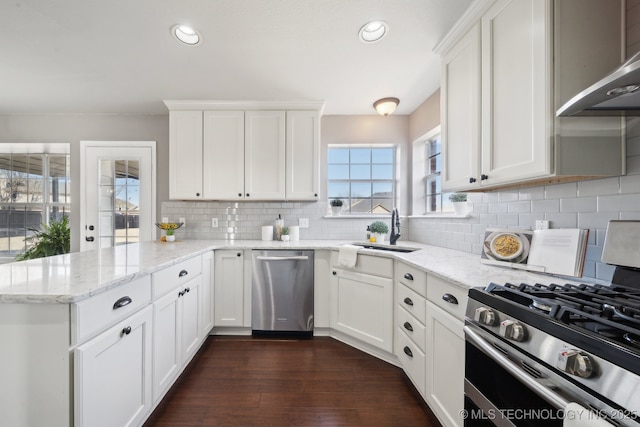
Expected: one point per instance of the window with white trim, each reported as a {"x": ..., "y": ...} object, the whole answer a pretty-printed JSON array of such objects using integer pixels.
[
  {"x": 363, "y": 177},
  {"x": 435, "y": 200},
  {"x": 34, "y": 189}
]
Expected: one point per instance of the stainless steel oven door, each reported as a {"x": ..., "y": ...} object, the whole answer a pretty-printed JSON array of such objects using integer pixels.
[{"x": 505, "y": 387}]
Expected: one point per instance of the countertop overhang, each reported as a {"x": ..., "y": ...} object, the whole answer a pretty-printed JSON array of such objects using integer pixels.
[{"x": 70, "y": 278}]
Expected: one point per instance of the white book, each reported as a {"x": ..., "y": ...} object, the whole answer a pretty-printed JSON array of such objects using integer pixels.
[{"x": 556, "y": 251}]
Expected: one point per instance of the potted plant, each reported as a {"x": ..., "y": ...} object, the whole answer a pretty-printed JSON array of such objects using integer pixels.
[
  {"x": 285, "y": 234},
  {"x": 336, "y": 206},
  {"x": 378, "y": 230},
  {"x": 169, "y": 229},
  {"x": 459, "y": 202},
  {"x": 53, "y": 239}
]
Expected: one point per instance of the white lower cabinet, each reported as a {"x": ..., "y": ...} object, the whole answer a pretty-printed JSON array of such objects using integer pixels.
[
  {"x": 229, "y": 298},
  {"x": 445, "y": 365},
  {"x": 363, "y": 308},
  {"x": 206, "y": 295},
  {"x": 113, "y": 374}
]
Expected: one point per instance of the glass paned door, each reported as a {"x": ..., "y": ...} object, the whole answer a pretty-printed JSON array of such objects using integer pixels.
[{"x": 119, "y": 202}]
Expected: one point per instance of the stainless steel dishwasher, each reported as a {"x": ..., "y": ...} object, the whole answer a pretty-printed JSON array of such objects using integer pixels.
[{"x": 282, "y": 292}]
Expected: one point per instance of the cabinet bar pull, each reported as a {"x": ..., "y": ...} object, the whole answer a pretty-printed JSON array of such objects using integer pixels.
[
  {"x": 408, "y": 276},
  {"x": 122, "y": 302},
  {"x": 408, "y": 301},
  {"x": 407, "y": 351},
  {"x": 450, "y": 299},
  {"x": 183, "y": 273},
  {"x": 408, "y": 326},
  {"x": 126, "y": 331}
]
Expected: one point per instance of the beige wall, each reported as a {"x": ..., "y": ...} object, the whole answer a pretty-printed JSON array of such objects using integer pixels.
[
  {"x": 73, "y": 128},
  {"x": 425, "y": 117}
]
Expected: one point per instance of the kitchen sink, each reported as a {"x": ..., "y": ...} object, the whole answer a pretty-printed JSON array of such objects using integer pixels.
[{"x": 388, "y": 248}]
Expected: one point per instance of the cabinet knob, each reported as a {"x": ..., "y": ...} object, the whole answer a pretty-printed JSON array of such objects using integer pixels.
[
  {"x": 407, "y": 351},
  {"x": 408, "y": 326},
  {"x": 408, "y": 301},
  {"x": 89, "y": 239},
  {"x": 197, "y": 194},
  {"x": 126, "y": 331},
  {"x": 315, "y": 194},
  {"x": 472, "y": 180},
  {"x": 239, "y": 254},
  {"x": 247, "y": 194},
  {"x": 239, "y": 194},
  {"x": 335, "y": 273},
  {"x": 187, "y": 290},
  {"x": 181, "y": 293},
  {"x": 484, "y": 177},
  {"x": 450, "y": 299}
]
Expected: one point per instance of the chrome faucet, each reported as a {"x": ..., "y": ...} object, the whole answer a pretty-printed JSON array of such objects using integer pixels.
[{"x": 395, "y": 227}]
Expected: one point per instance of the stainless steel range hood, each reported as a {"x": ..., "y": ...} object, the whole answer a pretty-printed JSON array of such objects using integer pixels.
[{"x": 617, "y": 94}]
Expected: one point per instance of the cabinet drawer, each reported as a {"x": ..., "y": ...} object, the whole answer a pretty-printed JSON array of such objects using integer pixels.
[
  {"x": 367, "y": 264},
  {"x": 412, "y": 359},
  {"x": 411, "y": 301},
  {"x": 171, "y": 277},
  {"x": 412, "y": 277},
  {"x": 411, "y": 327},
  {"x": 98, "y": 313},
  {"x": 440, "y": 291}
]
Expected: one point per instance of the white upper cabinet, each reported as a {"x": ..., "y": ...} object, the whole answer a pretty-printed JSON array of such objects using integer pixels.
[
  {"x": 303, "y": 155},
  {"x": 185, "y": 155},
  {"x": 507, "y": 66},
  {"x": 264, "y": 155},
  {"x": 244, "y": 150},
  {"x": 223, "y": 157}
]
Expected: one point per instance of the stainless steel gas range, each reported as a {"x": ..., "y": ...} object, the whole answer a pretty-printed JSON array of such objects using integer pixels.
[{"x": 539, "y": 355}]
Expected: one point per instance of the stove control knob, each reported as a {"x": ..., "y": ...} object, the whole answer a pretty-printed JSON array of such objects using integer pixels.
[
  {"x": 485, "y": 316},
  {"x": 575, "y": 362},
  {"x": 512, "y": 330}
]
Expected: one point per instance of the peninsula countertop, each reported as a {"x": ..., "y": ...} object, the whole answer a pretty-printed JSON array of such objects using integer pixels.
[{"x": 70, "y": 278}]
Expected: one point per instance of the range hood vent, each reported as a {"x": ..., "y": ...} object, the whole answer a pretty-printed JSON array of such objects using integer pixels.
[{"x": 617, "y": 94}]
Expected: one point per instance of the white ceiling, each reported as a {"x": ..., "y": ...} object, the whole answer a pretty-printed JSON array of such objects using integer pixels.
[{"x": 118, "y": 56}]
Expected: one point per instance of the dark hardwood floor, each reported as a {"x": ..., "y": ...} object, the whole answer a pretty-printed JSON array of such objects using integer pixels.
[{"x": 245, "y": 381}]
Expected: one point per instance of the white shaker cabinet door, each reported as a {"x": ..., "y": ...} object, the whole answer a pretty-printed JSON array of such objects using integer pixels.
[
  {"x": 166, "y": 342},
  {"x": 264, "y": 155},
  {"x": 229, "y": 288},
  {"x": 516, "y": 78},
  {"x": 223, "y": 157},
  {"x": 303, "y": 155},
  {"x": 113, "y": 375},
  {"x": 185, "y": 155}
]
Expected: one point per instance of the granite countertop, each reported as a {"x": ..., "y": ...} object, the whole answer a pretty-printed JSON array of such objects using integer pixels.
[{"x": 73, "y": 277}]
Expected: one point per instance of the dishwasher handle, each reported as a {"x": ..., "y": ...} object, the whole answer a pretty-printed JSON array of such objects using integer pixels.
[{"x": 283, "y": 258}]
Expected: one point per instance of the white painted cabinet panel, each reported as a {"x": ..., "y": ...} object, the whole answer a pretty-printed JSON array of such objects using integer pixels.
[
  {"x": 362, "y": 307},
  {"x": 113, "y": 375},
  {"x": 229, "y": 288},
  {"x": 166, "y": 343},
  {"x": 445, "y": 365},
  {"x": 264, "y": 155},
  {"x": 303, "y": 155},
  {"x": 185, "y": 155},
  {"x": 206, "y": 295},
  {"x": 223, "y": 155}
]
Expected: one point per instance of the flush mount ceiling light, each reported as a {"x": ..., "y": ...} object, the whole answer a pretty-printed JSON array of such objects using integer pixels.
[
  {"x": 373, "y": 31},
  {"x": 186, "y": 34},
  {"x": 386, "y": 106}
]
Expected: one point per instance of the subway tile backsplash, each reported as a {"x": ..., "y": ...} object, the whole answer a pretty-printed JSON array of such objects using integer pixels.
[{"x": 588, "y": 204}]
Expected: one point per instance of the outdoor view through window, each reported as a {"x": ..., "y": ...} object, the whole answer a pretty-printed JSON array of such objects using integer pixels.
[
  {"x": 34, "y": 190},
  {"x": 363, "y": 177}
]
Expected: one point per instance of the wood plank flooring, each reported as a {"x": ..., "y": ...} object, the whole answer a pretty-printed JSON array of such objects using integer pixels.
[{"x": 245, "y": 381}]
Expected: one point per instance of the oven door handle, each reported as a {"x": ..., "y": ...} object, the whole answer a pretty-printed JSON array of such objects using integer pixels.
[{"x": 542, "y": 391}]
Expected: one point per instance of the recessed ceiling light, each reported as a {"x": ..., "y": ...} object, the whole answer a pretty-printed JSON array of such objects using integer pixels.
[
  {"x": 186, "y": 34},
  {"x": 373, "y": 31}
]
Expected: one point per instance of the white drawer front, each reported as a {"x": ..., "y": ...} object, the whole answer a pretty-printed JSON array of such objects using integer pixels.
[
  {"x": 412, "y": 302},
  {"x": 97, "y": 313},
  {"x": 444, "y": 295},
  {"x": 412, "y": 277},
  {"x": 171, "y": 277},
  {"x": 412, "y": 359},
  {"x": 411, "y": 327}
]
